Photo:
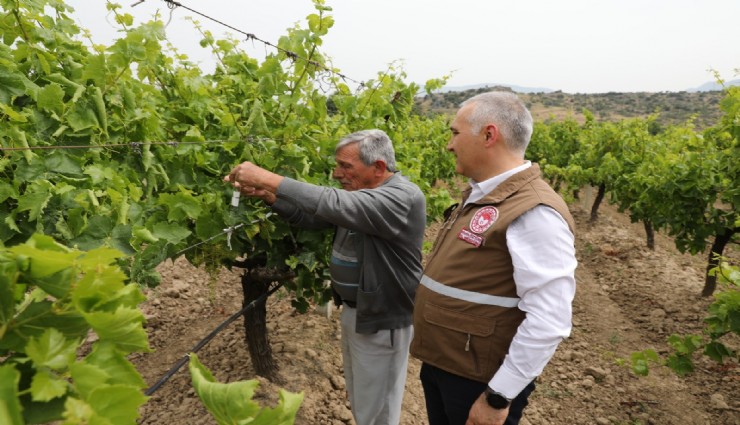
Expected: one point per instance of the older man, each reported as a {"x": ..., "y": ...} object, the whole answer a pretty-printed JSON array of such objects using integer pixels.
[
  {"x": 495, "y": 298},
  {"x": 379, "y": 219}
]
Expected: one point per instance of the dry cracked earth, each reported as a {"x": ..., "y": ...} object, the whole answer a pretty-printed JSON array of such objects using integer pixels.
[{"x": 629, "y": 299}]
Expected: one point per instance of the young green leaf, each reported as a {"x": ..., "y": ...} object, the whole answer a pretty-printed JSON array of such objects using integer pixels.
[
  {"x": 45, "y": 386},
  {"x": 10, "y": 407},
  {"x": 232, "y": 403},
  {"x": 51, "y": 349}
]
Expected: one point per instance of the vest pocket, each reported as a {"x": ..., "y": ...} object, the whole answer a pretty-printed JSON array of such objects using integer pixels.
[{"x": 458, "y": 342}]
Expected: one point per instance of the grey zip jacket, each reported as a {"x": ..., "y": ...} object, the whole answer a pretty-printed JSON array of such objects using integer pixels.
[{"x": 391, "y": 220}]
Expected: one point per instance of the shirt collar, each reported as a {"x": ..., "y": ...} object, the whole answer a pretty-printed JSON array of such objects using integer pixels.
[{"x": 481, "y": 189}]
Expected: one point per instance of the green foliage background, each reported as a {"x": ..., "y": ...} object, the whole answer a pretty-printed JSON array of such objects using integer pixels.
[
  {"x": 125, "y": 146},
  {"x": 130, "y": 188}
]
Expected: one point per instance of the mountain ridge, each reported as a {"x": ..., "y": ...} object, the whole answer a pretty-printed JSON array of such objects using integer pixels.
[
  {"x": 701, "y": 108},
  {"x": 705, "y": 87}
]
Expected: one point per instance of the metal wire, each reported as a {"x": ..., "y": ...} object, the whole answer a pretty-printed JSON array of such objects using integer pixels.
[
  {"x": 133, "y": 145},
  {"x": 250, "y": 36}
]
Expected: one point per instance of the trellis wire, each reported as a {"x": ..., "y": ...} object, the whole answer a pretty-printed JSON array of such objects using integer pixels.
[{"x": 250, "y": 36}]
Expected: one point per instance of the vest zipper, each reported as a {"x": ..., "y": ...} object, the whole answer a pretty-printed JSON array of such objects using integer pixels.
[
  {"x": 476, "y": 363},
  {"x": 453, "y": 219},
  {"x": 443, "y": 232}
]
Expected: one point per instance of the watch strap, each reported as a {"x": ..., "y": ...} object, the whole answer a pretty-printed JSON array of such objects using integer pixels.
[{"x": 495, "y": 399}]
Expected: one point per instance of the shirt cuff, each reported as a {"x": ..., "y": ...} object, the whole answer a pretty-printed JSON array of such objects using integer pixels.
[
  {"x": 508, "y": 382},
  {"x": 282, "y": 207}
]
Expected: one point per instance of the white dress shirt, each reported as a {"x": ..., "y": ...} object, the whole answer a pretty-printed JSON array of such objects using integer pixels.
[{"x": 543, "y": 254}]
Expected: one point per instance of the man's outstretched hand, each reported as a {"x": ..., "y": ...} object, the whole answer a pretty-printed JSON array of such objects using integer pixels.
[{"x": 252, "y": 180}]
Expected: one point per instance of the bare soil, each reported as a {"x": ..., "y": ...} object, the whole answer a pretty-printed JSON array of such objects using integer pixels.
[{"x": 629, "y": 299}]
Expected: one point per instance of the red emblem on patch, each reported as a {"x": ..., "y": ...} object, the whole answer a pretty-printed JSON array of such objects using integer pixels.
[{"x": 483, "y": 219}]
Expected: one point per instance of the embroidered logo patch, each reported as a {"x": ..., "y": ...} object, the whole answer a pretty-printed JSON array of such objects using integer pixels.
[
  {"x": 483, "y": 219},
  {"x": 470, "y": 237}
]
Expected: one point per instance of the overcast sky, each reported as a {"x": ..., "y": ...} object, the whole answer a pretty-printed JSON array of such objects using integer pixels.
[{"x": 577, "y": 46}]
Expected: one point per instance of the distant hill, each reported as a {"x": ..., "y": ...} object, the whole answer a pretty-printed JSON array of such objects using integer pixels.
[
  {"x": 489, "y": 86},
  {"x": 708, "y": 86},
  {"x": 672, "y": 107},
  {"x": 713, "y": 86}
]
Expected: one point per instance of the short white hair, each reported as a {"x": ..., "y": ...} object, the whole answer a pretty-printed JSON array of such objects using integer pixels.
[
  {"x": 507, "y": 112},
  {"x": 374, "y": 145}
]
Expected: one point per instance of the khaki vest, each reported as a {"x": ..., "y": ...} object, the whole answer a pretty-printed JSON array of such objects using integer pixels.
[{"x": 471, "y": 336}]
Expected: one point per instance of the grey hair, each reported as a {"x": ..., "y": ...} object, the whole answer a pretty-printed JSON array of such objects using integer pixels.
[
  {"x": 374, "y": 145},
  {"x": 507, "y": 112}
]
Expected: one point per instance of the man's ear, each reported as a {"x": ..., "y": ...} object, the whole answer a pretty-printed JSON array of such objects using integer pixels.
[
  {"x": 491, "y": 133},
  {"x": 380, "y": 166}
]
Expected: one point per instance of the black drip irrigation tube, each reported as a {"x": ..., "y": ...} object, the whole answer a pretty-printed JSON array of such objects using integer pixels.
[{"x": 207, "y": 339}]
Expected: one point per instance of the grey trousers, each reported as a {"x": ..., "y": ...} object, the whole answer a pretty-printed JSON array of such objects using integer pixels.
[{"x": 374, "y": 370}]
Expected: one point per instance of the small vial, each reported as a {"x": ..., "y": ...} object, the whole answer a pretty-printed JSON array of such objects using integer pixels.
[{"x": 235, "y": 198}]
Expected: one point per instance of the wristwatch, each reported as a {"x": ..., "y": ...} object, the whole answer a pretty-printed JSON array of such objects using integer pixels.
[{"x": 496, "y": 399}]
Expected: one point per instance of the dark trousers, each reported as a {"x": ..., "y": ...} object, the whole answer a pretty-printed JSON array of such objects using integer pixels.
[{"x": 449, "y": 397}]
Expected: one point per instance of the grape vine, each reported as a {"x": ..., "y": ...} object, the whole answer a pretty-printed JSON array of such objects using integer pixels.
[{"x": 122, "y": 149}]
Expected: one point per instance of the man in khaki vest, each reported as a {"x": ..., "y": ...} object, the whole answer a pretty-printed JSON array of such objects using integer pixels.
[{"x": 495, "y": 298}]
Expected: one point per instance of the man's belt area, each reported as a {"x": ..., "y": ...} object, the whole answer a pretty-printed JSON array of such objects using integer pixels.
[{"x": 352, "y": 304}]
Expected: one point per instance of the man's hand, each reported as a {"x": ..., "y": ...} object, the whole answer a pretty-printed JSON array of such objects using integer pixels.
[
  {"x": 268, "y": 197},
  {"x": 253, "y": 178},
  {"x": 483, "y": 414}
]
